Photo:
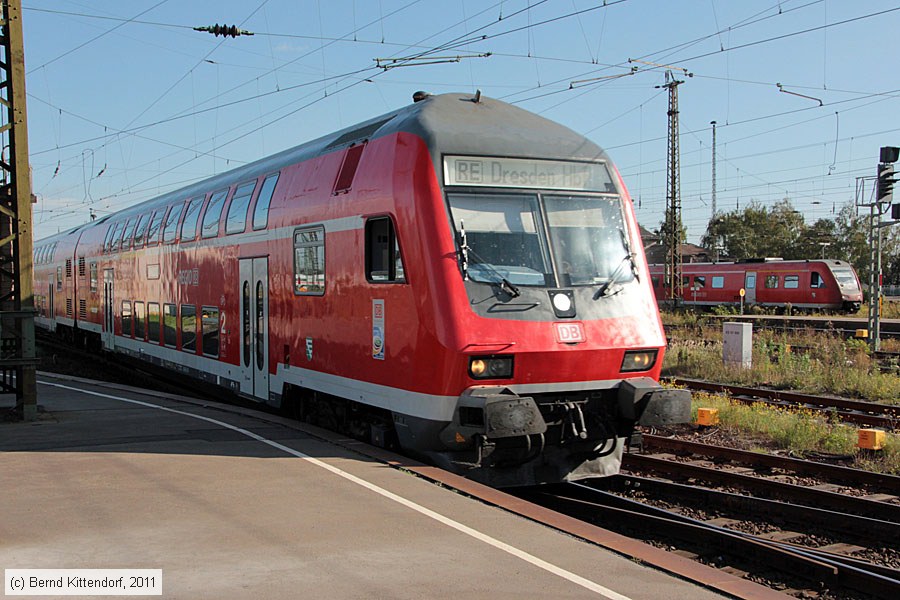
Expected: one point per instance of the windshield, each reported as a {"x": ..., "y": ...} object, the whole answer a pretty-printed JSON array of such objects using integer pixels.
[
  {"x": 503, "y": 237},
  {"x": 588, "y": 239},
  {"x": 845, "y": 278}
]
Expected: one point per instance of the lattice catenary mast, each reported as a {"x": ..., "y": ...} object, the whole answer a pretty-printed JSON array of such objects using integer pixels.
[{"x": 17, "y": 362}]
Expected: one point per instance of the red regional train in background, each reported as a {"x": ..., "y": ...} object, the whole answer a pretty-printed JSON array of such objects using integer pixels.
[
  {"x": 458, "y": 277},
  {"x": 771, "y": 282}
]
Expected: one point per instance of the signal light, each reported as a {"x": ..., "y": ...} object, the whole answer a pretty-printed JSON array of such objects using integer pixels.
[{"x": 884, "y": 188}]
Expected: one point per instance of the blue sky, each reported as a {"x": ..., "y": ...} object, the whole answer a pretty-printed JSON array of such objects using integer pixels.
[{"x": 127, "y": 101}]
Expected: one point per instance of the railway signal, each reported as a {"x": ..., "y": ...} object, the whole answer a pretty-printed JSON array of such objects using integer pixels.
[
  {"x": 884, "y": 188},
  {"x": 884, "y": 192}
]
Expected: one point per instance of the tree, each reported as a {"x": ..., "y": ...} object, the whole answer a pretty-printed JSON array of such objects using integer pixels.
[
  {"x": 781, "y": 231},
  {"x": 754, "y": 232}
]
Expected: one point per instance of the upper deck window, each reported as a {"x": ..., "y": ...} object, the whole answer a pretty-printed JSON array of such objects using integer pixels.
[
  {"x": 107, "y": 241},
  {"x": 141, "y": 230},
  {"x": 170, "y": 224},
  {"x": 191, "y": 214},
  {"x": 155, "y": 226},
  {"x": 126, "y": 235},
  {"x": 236, "y": 221},
  {"x": 527, "y": 173},
  {"x": 261, "y": 211},
  {"x": 213, "y": 212}
]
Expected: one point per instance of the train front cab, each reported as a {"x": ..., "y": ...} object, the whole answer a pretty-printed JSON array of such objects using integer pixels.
[{"x": 554, "y": 320}]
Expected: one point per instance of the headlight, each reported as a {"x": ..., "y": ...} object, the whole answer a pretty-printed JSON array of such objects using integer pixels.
[
  {"x": 490, "y": 367},
  {"x": 638, "y": 360}
]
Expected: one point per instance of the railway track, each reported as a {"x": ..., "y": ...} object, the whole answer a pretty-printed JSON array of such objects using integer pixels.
[
  {"x": 813, "y": 529},
  {"x": 792, "y": 567},
  {"x": 845, "y": 326},
  {"x": 859, "y": 412},
  {"x": 771, "y": 463}
]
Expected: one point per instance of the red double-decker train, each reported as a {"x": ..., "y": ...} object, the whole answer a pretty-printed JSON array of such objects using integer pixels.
[
  {"x": 830, "y": 285},
  {"x": 459, "y": 277}
]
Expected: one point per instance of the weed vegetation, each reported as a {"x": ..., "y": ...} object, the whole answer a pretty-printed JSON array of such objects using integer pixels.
[
  {"x": 807, "y": 361},
  {"x": 799, "y": 432}
]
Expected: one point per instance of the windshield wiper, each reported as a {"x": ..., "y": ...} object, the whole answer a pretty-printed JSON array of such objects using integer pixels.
[
  {"x": 614, "y": 276},
  {"x": 465, "y": 250}
]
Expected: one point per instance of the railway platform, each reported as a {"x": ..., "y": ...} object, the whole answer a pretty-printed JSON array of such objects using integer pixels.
[{"x": 233, "y": 503}]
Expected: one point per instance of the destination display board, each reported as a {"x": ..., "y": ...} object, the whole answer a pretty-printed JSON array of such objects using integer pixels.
[{"x": 527, "y": 173}]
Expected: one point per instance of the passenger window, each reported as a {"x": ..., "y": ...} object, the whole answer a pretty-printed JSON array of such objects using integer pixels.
[
  {"x": 126, "y": 235},
  {"x": 383, "y": 261},
  {"x": 116, "y": 240},
  {"x": 261, "y": 211},
  {"x": 170, "y": 225},
  {"x": 139, "y": 322},
  {"x": 188, "y": 327},
  {"x": 210, "y": 322},
  {"x": 791, "y": 281},
  {"x": 718, "y": 281},
  {"x": 213, "y": 212},
  {"x": 153, "y": 322},
  {"x": 236, "y": 221},
  {"x": 140, "y": 230},
  {"x": 191, "y": 214},
  {"x": 155, "y": 226},
  {"x": 771, "y": 281},
  {"x": 126, "y": 318},
  {"x": 170, "y": 323},
  {"x": 109, "y": 236},
  {"x": 309, "y": 261}
]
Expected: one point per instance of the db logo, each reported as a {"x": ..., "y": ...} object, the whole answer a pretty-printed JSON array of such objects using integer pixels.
[{"x": 569, "y": 333}]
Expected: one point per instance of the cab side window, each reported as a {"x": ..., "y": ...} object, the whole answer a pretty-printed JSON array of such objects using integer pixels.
[{"x": 383, "y": 261}]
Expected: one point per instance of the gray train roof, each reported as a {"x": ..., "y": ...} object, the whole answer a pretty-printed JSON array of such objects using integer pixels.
[{"x": 449, "y": 124}]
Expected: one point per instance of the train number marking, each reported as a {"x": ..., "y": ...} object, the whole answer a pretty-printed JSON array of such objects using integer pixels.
[{"x": 569, "y": 333}]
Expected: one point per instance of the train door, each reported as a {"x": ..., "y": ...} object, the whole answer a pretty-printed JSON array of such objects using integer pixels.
[
  {"x": 254, "y": 311},
  {"x": 109, "y": 332},
  {"x": 750, "y": 287}
]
